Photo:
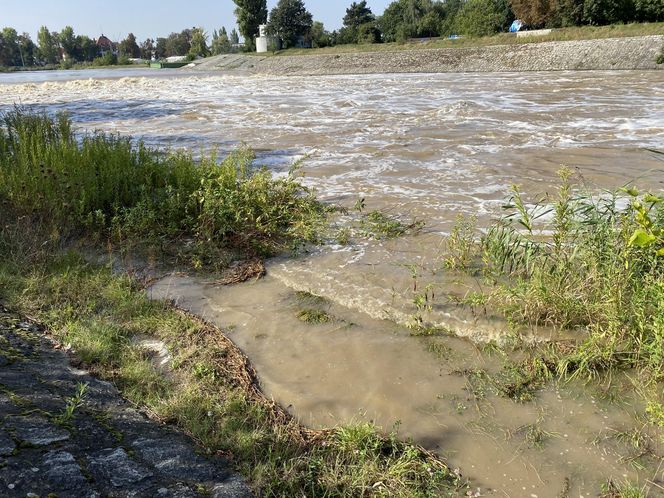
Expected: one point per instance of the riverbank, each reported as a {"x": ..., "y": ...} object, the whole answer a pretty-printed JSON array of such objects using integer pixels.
[{"x": 639, "y": 52}]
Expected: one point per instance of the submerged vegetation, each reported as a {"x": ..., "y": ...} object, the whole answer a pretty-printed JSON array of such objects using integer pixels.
[
  {"x": 57, "y": 189},
  {"x": 589, "y": 264}
]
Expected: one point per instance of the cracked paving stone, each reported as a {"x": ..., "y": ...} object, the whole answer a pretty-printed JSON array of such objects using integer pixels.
[
  {"x": 7, "y": 444},
  {"x": 62, "y": 471},
  {"x": 36, "y": 431},
  {"x": 233, "y": 487},
  {"x": 176, "y": 459},
  {"x": 116, "y": 467}
]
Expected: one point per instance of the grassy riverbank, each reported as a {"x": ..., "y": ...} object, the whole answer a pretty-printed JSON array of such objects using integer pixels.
[
  {"x": 57, "y": 190},
  {"x": 562, "y": 34}
]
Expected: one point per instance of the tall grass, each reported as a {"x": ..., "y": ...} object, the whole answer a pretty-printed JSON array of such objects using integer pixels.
[
  {"x": 590, "y": 263},
  {"x": 101, "y": 184}
]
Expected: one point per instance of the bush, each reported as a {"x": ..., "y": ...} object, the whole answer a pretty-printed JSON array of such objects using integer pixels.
[
  {"x": 482, "y": 17},
  {"x": 103, "y": 184},
  {"x": 108, "y": 59}
]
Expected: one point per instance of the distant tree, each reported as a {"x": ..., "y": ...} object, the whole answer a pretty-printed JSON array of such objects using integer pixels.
[
  {"x": 88, "y": 48},
  {"x": 198, "y": 44},
  {"x": 235, "y": 38},
  {"x": 221, "y": 44},
  {"x": 48, "y": 46},
  {"x": 404, "y": 19},
  {"x": 568, "y": 13},
  {"x": 649, "y": 10},
  {"x": 289, "y": 20},
  {"x": 359, "y": 25},
  {"x": 129, "y": 48},
  {"x": 147, "y": 49},
  {"x": 449, "y": 12},
  {"x": 178, "y": 43},
  {"x": 483, "y": 17},
  {"x": 27, "y": 50},
  {"x": 600, "y": 12},
  {"x": 160, "y": 48},
  {"x": 10, "y": 53},
  {"x": 320, "y": 37},
  {"x": 250, "y": 14},
  {"x": 70, "y": 48}
]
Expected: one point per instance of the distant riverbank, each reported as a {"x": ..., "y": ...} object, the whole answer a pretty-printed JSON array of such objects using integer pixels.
[{"x": 639, "y": 52}]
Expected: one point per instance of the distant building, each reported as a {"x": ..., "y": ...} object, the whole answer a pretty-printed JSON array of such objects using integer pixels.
[{"x": 105, "y": 45}]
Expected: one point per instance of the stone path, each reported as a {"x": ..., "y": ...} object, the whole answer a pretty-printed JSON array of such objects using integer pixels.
[{"x": 104, "y": 448}]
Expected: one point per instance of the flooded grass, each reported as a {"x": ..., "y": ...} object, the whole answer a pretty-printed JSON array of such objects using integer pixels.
[{"x": 589, "y": 265}]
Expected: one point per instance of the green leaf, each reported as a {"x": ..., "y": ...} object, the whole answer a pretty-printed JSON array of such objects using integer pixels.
[
  {"x": 630, "y": 191},
  {"x": 641, "y": 238},
  {"x": 651, "y": 199}
]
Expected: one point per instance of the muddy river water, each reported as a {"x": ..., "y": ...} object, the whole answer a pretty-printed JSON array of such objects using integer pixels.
[{"x": 426, "y": 147}]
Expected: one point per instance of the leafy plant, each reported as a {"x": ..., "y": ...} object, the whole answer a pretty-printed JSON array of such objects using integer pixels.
[{"x": 73, "y": 404}]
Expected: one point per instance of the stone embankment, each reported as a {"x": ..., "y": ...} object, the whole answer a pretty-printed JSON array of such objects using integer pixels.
[
  {"x": 637, "y": 52},
  {"x": 58, "y": 438}
]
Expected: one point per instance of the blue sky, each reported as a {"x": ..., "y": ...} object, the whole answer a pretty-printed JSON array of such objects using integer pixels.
[{"x": 146, "y": 18}]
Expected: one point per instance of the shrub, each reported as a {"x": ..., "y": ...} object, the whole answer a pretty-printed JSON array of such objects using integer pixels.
[
  {"x": 101, "y": 184},
  {"x": 482, "y": 17}
]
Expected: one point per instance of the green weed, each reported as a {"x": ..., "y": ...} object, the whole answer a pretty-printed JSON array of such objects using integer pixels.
[
  {"x": 585, "y": 262},
  {"x": 102, "y": 185},
  {"x": 314, "y": 316},
  {"x": 73, "y": 404}
]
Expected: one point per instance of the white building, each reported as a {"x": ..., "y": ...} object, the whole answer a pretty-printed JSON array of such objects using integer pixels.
[{"x": 264, "y": 42}]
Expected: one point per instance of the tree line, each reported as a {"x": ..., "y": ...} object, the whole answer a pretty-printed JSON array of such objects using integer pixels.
[
  {"x": 65, "y": 48},
  {"x": 293, "y": 24},
  {"x": 404, "y": 19}
]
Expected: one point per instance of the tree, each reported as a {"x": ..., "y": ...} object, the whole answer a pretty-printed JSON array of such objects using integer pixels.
[
  {"x": 10, "y": 52},
  {"x": 27, "y": 50},
  {"x": 405, "y": 19},
  {"x": 221, "y": 44},
  {"x": 601, "y": 12},
  {"x": 250, "y": 14},
  {"x": 129, "y": 48},
  {"x": 198, "y": 44},
  {"x": 48, "y": 46},
  {"x": 290, "y": 20},
  {"x": 320, "y": 37},
  {"x": 483, "y": 17},
  {"x": 235, "y": 38},
  {"x": 160, "y": 48},
  {"x": 649, "y": 10},
  {"x": 70, "y": 48},
  {"x": 178, "y": 43},
  {"x": 359, "y": 25},
  {"x": 147, "y": 49},
  {"x": 534, "y": 12},
  {"x": 87, "y": 47}
]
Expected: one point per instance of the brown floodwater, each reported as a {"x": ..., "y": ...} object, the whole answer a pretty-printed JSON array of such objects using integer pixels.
[
  {"x": 426, "y": 147},
  {"x": 434, "y": 390}
]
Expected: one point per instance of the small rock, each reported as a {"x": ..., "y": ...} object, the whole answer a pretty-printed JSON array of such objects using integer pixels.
[
  {"x": 174, "y": 459},
  {"x": 62, "y": 470},
  {"x": 36, "y": 430},
  {"x": 7, "y": 445},
  {"x": 116, "y": 467}
]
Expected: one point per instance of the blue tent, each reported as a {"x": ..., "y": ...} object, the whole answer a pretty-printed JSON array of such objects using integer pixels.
[{"x": 516, "y": 26}]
